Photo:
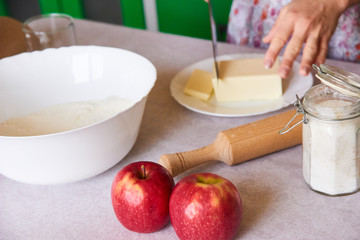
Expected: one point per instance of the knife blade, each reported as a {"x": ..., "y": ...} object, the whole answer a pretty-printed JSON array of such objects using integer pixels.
[{"x": 213, "y": 39}]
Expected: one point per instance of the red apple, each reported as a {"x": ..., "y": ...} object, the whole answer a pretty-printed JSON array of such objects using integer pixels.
[
  {"x": 140, "y": 195},
  {"x": 205, "y": 206}
]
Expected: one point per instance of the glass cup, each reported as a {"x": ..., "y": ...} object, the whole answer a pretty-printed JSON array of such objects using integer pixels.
[{"x": 49, "y": 31}]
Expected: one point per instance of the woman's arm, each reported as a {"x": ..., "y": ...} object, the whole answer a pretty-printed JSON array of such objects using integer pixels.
[{"x": 307, "y": 24}]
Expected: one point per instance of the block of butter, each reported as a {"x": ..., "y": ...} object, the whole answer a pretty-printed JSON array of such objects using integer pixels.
[
  {"x": 247, "y": 79},
  {"x": 199, "y": 85}
]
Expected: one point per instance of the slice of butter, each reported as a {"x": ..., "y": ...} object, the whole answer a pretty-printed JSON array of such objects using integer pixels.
[
  {"x": 247, "y": 79},
  {"x": 199, "y": 85}
]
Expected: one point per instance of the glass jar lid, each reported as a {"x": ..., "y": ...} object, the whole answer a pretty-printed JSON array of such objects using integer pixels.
[
  {"x": 326, "y": 103},
  {"x": 338, "y": 79}
]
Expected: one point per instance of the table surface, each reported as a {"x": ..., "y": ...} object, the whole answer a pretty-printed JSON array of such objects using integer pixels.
[{"x": 277, "y": 204}]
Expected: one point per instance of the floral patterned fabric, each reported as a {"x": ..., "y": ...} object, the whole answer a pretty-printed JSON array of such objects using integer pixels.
[{"x": 251, "y": 20}]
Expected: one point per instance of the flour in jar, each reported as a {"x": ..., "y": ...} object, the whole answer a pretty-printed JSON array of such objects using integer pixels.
[
  {"x": 64, "y": 117},
  {"x": 331, "y": 158}
]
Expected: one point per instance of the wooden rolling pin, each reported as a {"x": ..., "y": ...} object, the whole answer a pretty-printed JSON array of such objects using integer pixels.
[{"x": 240, "y": 144}]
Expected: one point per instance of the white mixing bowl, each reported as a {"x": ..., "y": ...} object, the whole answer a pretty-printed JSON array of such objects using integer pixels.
[{"x": 32, "y": 81}]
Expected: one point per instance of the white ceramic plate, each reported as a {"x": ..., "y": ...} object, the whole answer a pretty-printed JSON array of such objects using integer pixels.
[{"x": 296, "y": 85}]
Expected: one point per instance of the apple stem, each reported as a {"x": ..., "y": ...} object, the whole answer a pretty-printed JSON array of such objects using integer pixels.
[{"x": 144, "y": 171}]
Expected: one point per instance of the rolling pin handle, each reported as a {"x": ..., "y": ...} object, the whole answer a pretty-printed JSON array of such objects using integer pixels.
[
  {"x": 177, "y": 163},
  {"x": 239, "y": 144}
]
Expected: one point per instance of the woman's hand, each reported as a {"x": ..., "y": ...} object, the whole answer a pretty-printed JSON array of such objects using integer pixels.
[{"x": 307, "y": 24}]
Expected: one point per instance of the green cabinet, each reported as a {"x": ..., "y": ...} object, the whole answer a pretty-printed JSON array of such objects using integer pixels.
[
  {"x": 133, "y": 13},
  {"x": 3, "y": 9},
  {"x": 191, "y": 17},
  {"x": 183, "y": 17},
  {"x": 72, "y": 7}
]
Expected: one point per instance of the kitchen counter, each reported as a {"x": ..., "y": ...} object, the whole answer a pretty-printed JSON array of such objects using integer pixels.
[{"x": 277, "y": 204}]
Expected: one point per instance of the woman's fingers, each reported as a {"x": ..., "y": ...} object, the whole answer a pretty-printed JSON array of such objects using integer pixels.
[
  {"x": 302, "y": 24},
  {"x": 294, "y": 46},
  {"x": 311, "y": 51},
  {"x": 273, "y": 30},
  {"x": 323, "y": 47},
  {"x": 278, "y": 37}
]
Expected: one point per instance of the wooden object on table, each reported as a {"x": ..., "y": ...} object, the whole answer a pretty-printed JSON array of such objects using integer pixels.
[
  {"x": 12, "y": 40},
  {"x": 240, "y": 144}
]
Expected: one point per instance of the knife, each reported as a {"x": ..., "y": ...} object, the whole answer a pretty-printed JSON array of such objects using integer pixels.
[{"x": 213, "y": 39}]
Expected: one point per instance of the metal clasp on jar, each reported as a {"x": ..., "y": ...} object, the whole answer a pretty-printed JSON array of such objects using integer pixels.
[{"x": 299, "y": 110}]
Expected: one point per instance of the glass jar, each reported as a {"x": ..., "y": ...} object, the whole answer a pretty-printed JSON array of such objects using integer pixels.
[
  {"x": 331, "y": 141},
  {"x": 331, "y": 136}
]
